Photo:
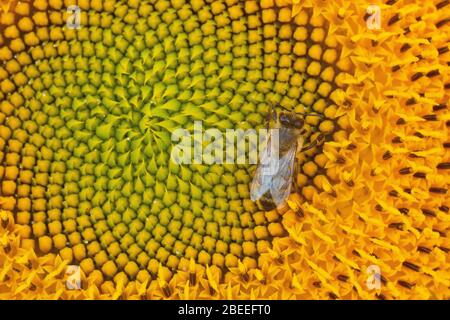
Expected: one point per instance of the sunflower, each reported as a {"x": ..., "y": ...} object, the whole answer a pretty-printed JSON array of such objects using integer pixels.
[{"x": 90, "y": 92}]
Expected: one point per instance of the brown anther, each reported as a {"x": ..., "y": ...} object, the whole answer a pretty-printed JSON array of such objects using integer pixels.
[
  {"x": 446, "y": 250},
  {"x": 192, "y": 278},
  {"x": 395, "y": 68},
  {"x": 401, "y": 121},
  {"x": 404, "y": 211},
  {"x": 387, "y": 155},
  {"x": 404, "y": 171},
  {"x": 342, "y": 278},
  {"x": 332, "y": 296},
  {"x": 355, "y": 253},
  {"x": 350, "y": 183},
  {"x": 420, "y": 175},
  {"x": 411, "y": 266},
  {"x": 438, "y": 190},
  {"x": 444, "y": 208},
  {"x": 396, "y": 140},
  {"x": 340, "y": 160},
  {"x": 429, "y": 213},
  {"x": 410, "y": 101},
  {"x": 396, "y": 225},
  {"x": 442, "y": 23},
  {"x": 380, "y": 296},
  {"x": 394, "y": 19},
  {"x": 442, "y": 4},
  {"x": 405, "y": 284},
  {"x": 443, "y": 166},
  {"x": 166, "y": 290},
  {"x": 417, "y": 76},
  {"x": 405, "y": 47},
  {"x": 378, "y": 207},
  {"x": 351, "y": 146},
  {"x": 439, "y": 107},
  {"x": 423, "y": 249},
  {"x": 433, "y": 73},
  {"x": 413, "y": 156},
  {"x": 393, "y": 193},
  {"x": 280, "y": 260},
  {"x": 430, "y": 117},
  {"x": 443, "y": 50}
]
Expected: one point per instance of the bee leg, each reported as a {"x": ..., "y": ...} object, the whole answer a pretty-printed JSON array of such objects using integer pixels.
[
  {"x": 315, "y": 143},
  {"x": 295, "y": 179},
  {"x": 270, "y": 115},
  {"x": 310, "y": 146},
  {"x": 312, "y": 114}
]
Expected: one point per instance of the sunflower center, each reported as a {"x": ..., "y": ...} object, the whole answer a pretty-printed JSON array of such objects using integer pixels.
[{"x": 96, "y": 181}]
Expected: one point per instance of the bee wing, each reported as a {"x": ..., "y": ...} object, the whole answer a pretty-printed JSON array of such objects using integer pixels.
[
  {"x": 282, "y": 181},
  {"x": 261, "y": 182},
  {"x": 279, "y": 183}
]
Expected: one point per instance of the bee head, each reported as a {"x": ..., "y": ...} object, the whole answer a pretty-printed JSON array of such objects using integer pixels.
[{"x": 291, "y": 120}]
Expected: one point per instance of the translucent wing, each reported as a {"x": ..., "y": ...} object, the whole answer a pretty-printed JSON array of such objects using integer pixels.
[
  {"x": 261, "y": 182},
  {"x": 279, "y": 183},
  {"x": 282, "y": 181},
  {"x": 280, "y": 187}
]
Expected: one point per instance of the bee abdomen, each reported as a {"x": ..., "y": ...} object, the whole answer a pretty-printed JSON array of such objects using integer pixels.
[{"x": 266, "y": 202}]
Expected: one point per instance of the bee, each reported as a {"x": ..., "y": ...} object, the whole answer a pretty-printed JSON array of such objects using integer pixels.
[{"x": 271, "y": 186}]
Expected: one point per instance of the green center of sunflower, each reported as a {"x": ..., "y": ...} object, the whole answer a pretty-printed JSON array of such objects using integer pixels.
[{"x": 105, "y": 100}]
